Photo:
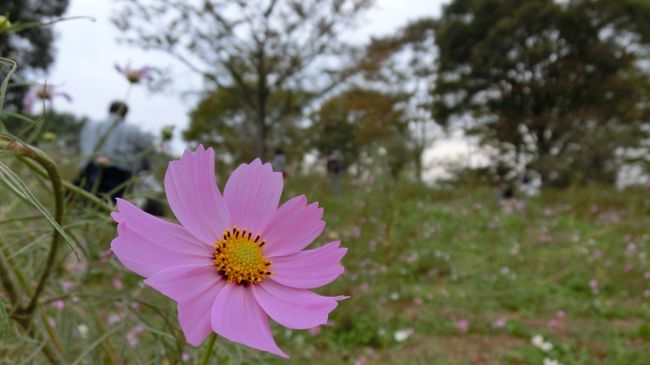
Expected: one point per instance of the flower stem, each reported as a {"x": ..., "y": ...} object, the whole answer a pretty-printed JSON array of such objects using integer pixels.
[{"x": 208, "y": 350}]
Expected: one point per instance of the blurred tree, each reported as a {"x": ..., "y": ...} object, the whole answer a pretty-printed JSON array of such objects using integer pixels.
[
  {"x": 404, "y": 63},
  {"x": 221, "y": 120},
  {"x": 31, "y": 47},
  {"x": 254, "y": 50},
  {"x": 560, "y": 84},
  {"x": 362, "y": 123}
]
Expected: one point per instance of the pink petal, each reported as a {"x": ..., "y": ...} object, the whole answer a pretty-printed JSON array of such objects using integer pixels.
[
  {"x": 252, "y": 194},
  {"x": 309, "y": 269},
  {"x": 294, "y": 308},
  {"x": 292, "y": 227},
  {"x": 237, "y": 316},
  {"x": 192, "y": 192},
  {"x": 195, "y": 288},
  {"x": 147, "y": 244}
]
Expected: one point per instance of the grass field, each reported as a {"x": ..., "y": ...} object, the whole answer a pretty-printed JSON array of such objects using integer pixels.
[{"x": 435, "y": 276}]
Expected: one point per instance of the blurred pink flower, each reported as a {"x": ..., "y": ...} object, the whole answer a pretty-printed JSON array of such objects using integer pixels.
[
  {"x": 646, "y": 275},
  {"x": 499, "y": 323},
  {"x": 462, "y": 325},
  {"x": 597, "y": 254},
  {"x": 235, "y": 259},
  {"x": 593, "y": 284},
  {"x": 44, "y": 94},
  {"x": 58, "y": 304},
  {"x": 135, "y": 75},
  {"x": 68, "y": 285},
  {"x": 361, "y": 360},
  {"x": 314, "y": 330},
  {"x": 356, "y": 232},
  {"x": 113, "y": 318},
  {"x": 543, "y": 238},
  {"x": 117, "y": 283},
  {"x": 132, "y": 335}
]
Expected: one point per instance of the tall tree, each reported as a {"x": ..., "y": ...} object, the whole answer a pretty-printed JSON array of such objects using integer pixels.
[
  {"x": 221, "y": 120},
  {"x": 404, "y": 63},
  {"x": 362, "y": 123},
  {"x": 560, "y": 84},
  {"x": 31, "y": 47},
  {"x": 251, "y": 49}
]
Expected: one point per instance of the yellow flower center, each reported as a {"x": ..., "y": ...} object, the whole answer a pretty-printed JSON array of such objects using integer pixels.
[{"x": 238, "y": 257}]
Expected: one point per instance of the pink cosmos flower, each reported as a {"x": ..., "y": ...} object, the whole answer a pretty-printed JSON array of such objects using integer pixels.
[
  {"x": 44, "y": 94},
  {"x": 462, "y": 325},
  {"x": 135, "y": 75},
  {"x": 235, "y": 259}
]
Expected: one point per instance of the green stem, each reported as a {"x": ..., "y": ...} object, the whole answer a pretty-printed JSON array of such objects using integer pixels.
[{"x": 208, "y": 350}]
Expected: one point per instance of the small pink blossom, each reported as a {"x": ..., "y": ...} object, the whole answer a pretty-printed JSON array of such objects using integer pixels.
[
  {"x": 117, "y": 283},
  {"x": 462, "y": 325},
  {"x": 58, "y": 304},
  {"x": 593, "y": 284},
  {"x": 113, "y": 318},
  {"x": 135, "y": 75},
  {"x": 68, "y": 285},
  {"x": 44, "y": 94},
  {"x": 314, "y": 331},
  {"x": 132, "y": 335},
  {"x": 499, "y": 323}
]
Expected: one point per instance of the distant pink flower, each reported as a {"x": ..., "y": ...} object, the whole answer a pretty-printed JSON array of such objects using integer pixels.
[
  {"x": 113, "y": 318},
  {"x": 499, "y": 323},
  {"x": 593, "y": 284},
  {"x": 58, "y": 304},
  {"x": 117, "y": 283},
  {"x": 314, "y": 331},
  {"x": 135, "y": 75},
  {"x": 560, "y": 314},
  {"x": 646, "y": 275},
  {"x": 543, "y": 238},
  {"x": 68, "y": 285},
  {"x": 235, "y": 259},
  {"x": 462, "y": 325},
  {"x": 132, "y": 335},
  {"x": 44, "y": 94}
]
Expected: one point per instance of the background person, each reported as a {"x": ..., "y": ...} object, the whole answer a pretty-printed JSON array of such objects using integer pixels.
[{"x": 112, "y": 152}]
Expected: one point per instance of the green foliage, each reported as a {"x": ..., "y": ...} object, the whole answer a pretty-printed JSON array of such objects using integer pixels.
[
  {"x": 558, "y": 85},
  {"x": 31, "y": 47},
  {"x": 360, "y": 124},
  {"x": 222, "y": 120},
  {"x": 4, "y": 324}
]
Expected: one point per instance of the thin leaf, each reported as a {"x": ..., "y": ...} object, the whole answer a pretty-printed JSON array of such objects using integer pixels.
[
  {"x": 4, "y": 324},
  {"x": 92, "y": 346},
  {"x": 18, "y": 186},
  {"x": 8, "y": 68}
]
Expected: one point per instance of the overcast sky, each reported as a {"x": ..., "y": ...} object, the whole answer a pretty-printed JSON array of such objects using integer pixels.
[{"x": 87, "y": 51}]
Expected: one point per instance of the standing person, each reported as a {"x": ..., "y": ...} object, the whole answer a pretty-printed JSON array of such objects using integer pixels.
[
  {"x": 279, "y": 162},
  {"x": 334, "y": 171},
  {"x": 112, "y": 152}
]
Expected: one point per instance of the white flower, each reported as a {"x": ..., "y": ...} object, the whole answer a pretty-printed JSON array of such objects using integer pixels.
[
  {"x": 551, "y": 362},
  {"x": 403, "y": 335},
  {"x": 546, "y": 346},
  {"x": 83, "y": 330},
  {"x": 538, "y": 341}
]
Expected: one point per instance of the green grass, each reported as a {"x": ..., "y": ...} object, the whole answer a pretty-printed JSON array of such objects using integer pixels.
[{"x": 419, "y": 258}]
